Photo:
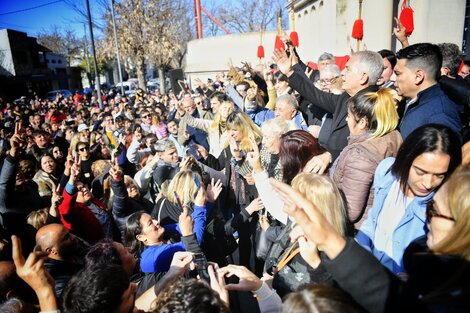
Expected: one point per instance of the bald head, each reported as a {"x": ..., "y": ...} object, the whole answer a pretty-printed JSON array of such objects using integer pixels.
[
  {"x": 57, "y": 242},
  {"x": 48, "y": 235}
]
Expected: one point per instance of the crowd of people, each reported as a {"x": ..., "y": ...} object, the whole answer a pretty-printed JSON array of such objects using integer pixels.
[{"x": 274, "y": 188}]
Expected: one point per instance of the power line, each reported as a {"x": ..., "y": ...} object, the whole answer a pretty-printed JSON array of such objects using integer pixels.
[{"x": 32, "y": 8}]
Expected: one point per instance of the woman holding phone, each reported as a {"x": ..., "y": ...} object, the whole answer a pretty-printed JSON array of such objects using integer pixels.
[{"x": 145, "y": 235}]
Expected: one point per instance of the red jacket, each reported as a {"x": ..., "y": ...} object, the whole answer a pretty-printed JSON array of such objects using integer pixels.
[{"x": 80, "y": 220}]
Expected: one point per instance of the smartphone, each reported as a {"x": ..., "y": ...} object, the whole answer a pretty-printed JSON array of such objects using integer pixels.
[
  {"x": 201, "y": 266},
  {"x": 192, "y": 150},
  {"x": 178, "y": 199},
  {"x": 196, "y": 181}
]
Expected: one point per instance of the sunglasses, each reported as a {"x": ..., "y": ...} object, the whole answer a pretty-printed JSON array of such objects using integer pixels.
[
  {"x": 431, "y": 212},
  {"x": 83, "y": 149},
  {"x": 146, "y": 116},
  {"x": 198, "y": 103}
]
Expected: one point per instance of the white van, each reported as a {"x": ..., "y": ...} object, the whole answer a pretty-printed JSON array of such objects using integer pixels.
[{"x": 130, "y": 87}]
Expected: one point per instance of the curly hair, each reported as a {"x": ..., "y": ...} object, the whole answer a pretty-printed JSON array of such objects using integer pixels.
[{"x": 189, "y": 296}]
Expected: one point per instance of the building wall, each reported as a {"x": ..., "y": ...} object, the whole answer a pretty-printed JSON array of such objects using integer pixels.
[
  {"x": 7, "y": 67},
  {"x": 209, "y": 56},
  {"x": 325, "y": 26},
  {"x": 55, "y": 61}
]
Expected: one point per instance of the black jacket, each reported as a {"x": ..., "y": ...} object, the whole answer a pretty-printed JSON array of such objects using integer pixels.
[{"x": 334, "y": 104}]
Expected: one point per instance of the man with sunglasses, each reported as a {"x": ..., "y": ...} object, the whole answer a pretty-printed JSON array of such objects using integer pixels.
[
  {"x": 86, "y": 160},
  {"x": 146, "y": 122}
]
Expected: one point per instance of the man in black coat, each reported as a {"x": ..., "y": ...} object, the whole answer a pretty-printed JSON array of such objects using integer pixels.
[{"x": 360, "y": 75}]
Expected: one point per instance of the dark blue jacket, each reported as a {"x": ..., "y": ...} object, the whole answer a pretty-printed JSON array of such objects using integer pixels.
[{"x": 431, "y": 107}]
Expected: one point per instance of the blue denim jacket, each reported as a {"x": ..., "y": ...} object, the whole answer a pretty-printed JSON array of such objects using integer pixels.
[{"x": 411, "y": 226}]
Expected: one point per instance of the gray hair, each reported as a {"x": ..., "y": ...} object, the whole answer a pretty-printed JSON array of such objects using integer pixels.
[
  {"x": 277, "y": 126},
  {"x": 164, "y": 145},
  {"x": 451, "y": 57},
  {"x": 289, "y": 99},
  {"x": 331, "y": 68},
  {"x": 371, "y": 63},
  {"x": 326, "y": 56}
]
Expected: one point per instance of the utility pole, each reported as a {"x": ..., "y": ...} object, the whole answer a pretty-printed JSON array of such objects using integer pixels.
[
  {"x": 88, "y": 70},
  {"x": 117, "y": 48},
  {"x": 93, "y": 50}
]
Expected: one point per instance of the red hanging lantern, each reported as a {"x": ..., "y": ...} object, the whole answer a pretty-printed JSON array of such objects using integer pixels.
[
  {"x": 406, "y": 17},
  {"x": 260, "y": 52},
  {"x": 295, "y": 38},
  {"x": 358, "y": 29},
  {"x": 279, "y": 44}
]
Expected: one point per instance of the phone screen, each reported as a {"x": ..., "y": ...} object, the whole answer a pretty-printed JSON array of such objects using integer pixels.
[{"x": 196, "y": 181}]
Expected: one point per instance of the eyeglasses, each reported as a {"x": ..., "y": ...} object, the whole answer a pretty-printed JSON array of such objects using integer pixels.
[
  {"x": 326, "y": 80},
  {"x": 83, "y": 149},
  {"x": 431, "y": 212}
]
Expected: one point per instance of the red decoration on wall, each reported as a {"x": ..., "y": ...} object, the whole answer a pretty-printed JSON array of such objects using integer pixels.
[
  {"x": 295, "y": 38},
  {"x": 358, "y": 29},
  {"x": 279, "y": 44},
  {"x": 260, "y": 52},
  {"x": 406, "y": 18}
]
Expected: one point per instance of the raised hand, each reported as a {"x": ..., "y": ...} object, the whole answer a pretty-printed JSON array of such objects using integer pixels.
[
  {"x": 201, "y": 150},
  {"x": 181, "y": 260},
  {"x": 214, "y": 190},
  {"x": 33, "y": 272},
  {"x": 15, "y": 143},
  {"x": 318, "y": 164},
  {"x": 186, "y": 222},
  {"x": 255, "y": 206},
  {"x": 264, "y": 222},
  {"x": 74, "y": 170},
  {"x": 253, "y": 157},
  {"x": 308, "y": 249},
  {"x": 283, "y": 62},
  {"x": 247, "y": 280},
  {"x": 400, "y": 32},
  {"x": 218, "y": 282},
  {"x": 116, "y": 172},
  {"x": 201, "y": 197}
]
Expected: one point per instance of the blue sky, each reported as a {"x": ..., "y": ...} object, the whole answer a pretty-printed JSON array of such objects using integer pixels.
[{"x": 34, "y": 20}]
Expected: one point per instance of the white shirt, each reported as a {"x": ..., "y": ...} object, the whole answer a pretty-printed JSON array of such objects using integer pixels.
[{"x": 391, "y": 214}]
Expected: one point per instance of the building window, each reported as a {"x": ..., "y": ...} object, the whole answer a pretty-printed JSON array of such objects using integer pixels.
[
  {"x": 53, "y": 61},
  {"x": 59, "y": 61},
  {"x": 47, "y": 61}
]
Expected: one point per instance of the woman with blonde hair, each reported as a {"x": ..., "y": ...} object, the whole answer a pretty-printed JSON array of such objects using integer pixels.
[
  {"x": 372, "y": 119},
  {"x": 166, "y": 209},
  {"x": 216, "y": 129}
]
